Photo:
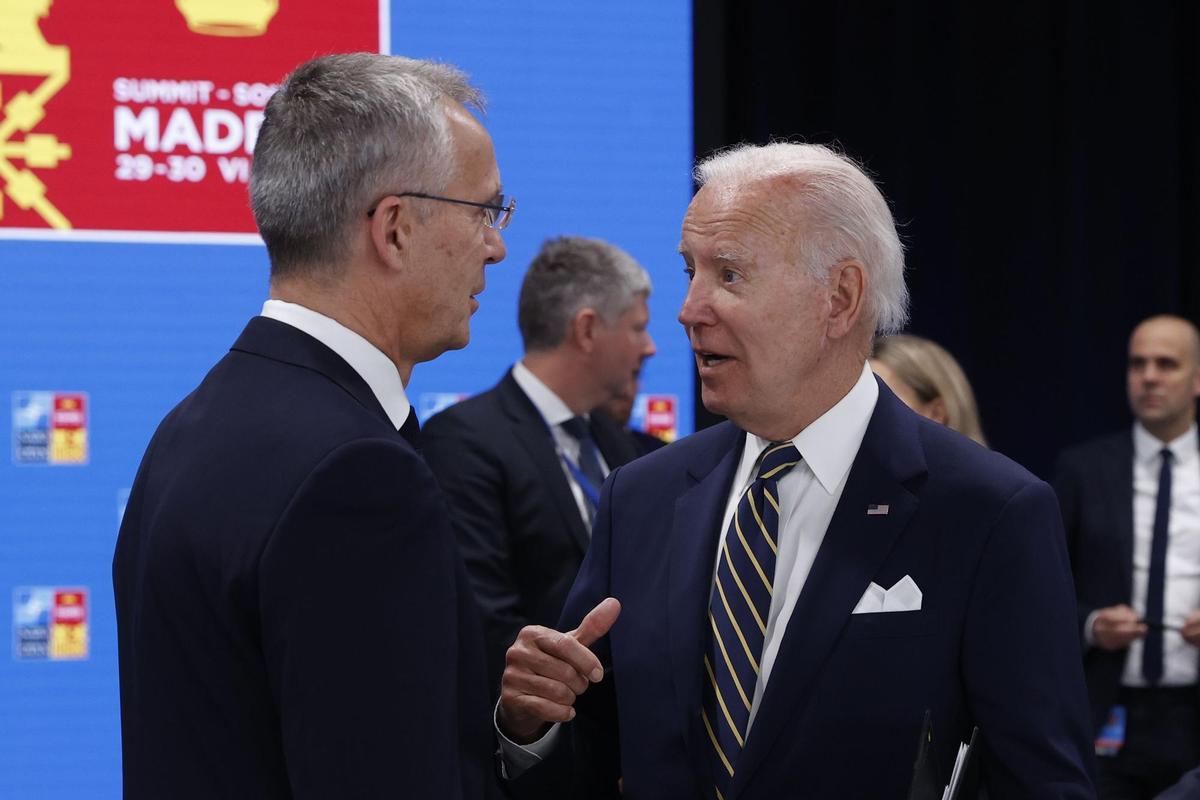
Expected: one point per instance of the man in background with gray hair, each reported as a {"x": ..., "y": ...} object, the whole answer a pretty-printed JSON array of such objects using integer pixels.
[
  {"x": 523, "y": 462},
  {"x": 284, "y": 540},
  {"x": 799, "y": 586}
]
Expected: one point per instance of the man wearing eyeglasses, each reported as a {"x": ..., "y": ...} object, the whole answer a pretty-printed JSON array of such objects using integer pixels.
[
  {"x": 523, "y": 462},
  {"x": 284, "y": 542}
]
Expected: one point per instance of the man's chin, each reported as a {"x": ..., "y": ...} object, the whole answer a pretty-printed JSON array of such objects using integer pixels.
[
  {"x": 457, "y": 342},
  {"x": 714, "y": 402}
]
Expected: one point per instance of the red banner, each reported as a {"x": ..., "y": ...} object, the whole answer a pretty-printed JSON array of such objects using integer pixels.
[{"x": 140, "y": 116}]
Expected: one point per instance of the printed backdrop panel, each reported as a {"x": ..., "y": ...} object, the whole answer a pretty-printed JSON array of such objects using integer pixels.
[
  {"x": 106, "y": 325},
  {"x": 141, "y": 115}
]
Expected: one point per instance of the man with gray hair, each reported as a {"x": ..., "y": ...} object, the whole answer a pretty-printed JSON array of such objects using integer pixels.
[
  {"x": 523, "y": 462},
  {"x": 798, "y": 587},
  {"x": 284, "y": 539}
]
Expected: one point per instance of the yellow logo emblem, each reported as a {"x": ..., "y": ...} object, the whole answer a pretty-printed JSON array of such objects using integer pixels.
[
  {"x": 228, "y": 17},
  {"x": 25, "y": 52}
]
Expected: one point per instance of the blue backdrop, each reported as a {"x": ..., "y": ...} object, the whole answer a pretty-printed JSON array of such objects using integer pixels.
[{"x": 590, "y": 109}]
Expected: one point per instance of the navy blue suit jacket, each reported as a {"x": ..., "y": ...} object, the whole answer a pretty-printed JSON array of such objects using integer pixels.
[
  {"x": 994, "y": 644},
  {"x": 292, "y": 615},
  {"x": 518, "y": 525}
]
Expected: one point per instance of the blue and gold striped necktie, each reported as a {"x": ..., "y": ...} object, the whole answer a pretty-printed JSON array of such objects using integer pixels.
[{"x": 738, "y": 610}]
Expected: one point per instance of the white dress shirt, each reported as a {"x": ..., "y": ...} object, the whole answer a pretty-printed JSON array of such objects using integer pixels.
[
  {"x": 1182, "y": 578},
  {"x": 555, "y": 412},
  {"x": 808, "y": 495},
  {"x": 366, "y": 359}
]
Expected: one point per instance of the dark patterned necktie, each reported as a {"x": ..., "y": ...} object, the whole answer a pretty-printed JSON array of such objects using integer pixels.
[
  {"x": 738, "y": 610},
  {"x": 589, "y": 458}
]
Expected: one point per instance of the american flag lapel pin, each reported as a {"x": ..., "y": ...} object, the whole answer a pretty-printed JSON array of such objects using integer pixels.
[{"x": 877, "y": 510}]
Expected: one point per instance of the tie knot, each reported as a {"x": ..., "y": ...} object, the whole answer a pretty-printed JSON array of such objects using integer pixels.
[
  {"x": 577, "y": 427},
  {"x": 1167, "y": 455},
  {"x": 776, "y": 460}
]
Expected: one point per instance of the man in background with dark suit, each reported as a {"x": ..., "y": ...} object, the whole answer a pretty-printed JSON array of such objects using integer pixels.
[
  {"x": 283, "y": 537},
  {"x": 798, "y": 586},
  {"x": 1131, "y": 504},
  {"x": 523, "y": 462}
]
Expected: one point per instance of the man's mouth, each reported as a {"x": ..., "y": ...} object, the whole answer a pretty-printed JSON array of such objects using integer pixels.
[{"x": 707, "y": 358}]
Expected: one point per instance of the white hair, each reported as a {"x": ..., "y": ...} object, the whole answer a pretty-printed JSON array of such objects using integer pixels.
[{"x": 843, "y": 213}]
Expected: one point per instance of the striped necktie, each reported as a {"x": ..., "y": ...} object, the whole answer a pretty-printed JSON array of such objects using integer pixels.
[{"x": 738, "y": 610}]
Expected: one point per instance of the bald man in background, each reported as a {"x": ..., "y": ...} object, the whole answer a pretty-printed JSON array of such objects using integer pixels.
[{"x": 1131, "y": 507}]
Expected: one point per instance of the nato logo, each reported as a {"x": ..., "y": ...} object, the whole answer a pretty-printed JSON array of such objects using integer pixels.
[
  {"x": 50, "y": 428},
  {"x": 50, "y": 623}
]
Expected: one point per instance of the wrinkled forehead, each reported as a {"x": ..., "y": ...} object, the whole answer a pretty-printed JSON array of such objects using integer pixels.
[{"x": 729, "y": 217}]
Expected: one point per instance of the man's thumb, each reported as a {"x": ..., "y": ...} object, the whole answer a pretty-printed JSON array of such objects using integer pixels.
[{"x": 598, "y": 621}]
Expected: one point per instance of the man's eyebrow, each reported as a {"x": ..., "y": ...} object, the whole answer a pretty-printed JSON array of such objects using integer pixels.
[
  {"x": 731, "y": 256},
  {"x": 728, "y": 256}
]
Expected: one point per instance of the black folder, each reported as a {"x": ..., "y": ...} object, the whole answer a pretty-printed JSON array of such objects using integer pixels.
[{"x": 927, "y": 781}]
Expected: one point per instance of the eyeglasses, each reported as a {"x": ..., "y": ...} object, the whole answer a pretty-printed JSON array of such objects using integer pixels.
[{"x": 499, "y": 213}]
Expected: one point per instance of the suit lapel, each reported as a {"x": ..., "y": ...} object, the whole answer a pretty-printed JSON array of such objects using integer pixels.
[
  {"x": 279, "y": 341},
  {"x": 854, "y": 548},
  {"x": 696, "y": 527},
  {"x": 1120, "y": 489},
  {"x": 538, "y": 441}
]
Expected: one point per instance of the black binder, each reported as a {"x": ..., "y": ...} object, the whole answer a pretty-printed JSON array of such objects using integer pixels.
[{"x": 927, "y": 783}]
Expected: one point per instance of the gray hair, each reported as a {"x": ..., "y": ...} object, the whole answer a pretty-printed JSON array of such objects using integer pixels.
[
  {"x": 571, "y": 273},
  {"x": 341, "y": 132},
  {"x": 845, "y": 216}
]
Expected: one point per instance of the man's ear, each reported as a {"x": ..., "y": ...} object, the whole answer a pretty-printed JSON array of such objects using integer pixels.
[
  {"x": 936, "y": 410},
  {"x": 392, "y": 227},
  {"x": 583, "y": 329},
  {"x": 847, "y": 297}
]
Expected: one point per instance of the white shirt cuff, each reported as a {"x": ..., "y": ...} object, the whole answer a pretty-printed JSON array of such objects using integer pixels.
[
  {"x": 1089, "y": 638},
  {"x": 517, "y": 758}
]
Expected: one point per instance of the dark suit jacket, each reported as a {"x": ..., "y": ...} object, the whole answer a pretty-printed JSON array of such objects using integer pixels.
[
  {"x": 1094, "y": 482},
  {"x": 293, "y": 619},
  {"x": 517, "y": 522},
  {"x": 645, "y": 442},
  {"x": 1188, "y": 788},
  {"x": 994, "y": 643}
]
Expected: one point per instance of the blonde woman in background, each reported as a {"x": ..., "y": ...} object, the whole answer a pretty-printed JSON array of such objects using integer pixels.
[{"x": 929, "y": 381}]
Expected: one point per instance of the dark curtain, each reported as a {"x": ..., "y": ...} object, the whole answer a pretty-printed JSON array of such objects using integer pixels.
[{"x": 1040, "y": 157}]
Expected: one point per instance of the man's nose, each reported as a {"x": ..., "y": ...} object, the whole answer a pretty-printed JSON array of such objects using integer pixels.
[
  {"x": 497, "y": 250},
  {"x": 695, "y": 309},
  {"x": 649, "y": 349}
]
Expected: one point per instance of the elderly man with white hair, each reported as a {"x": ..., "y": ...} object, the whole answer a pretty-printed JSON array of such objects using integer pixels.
[{"x": 797, "y": 587}]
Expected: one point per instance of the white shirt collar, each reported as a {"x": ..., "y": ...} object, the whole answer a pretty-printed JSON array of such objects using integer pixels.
[
  {"x": 1146, "y": 446},
  {"x": 363, "y": 357},
  {"x": 548, "y": 404},
  {"x": 830, "y": 443}
]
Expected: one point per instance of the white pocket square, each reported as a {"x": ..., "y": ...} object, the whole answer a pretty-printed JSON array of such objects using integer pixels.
[{"x": 904, "y": 596}]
